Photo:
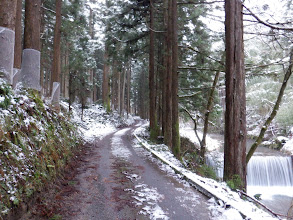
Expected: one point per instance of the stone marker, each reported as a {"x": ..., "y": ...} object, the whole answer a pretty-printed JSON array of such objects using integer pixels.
[
  {"x": 16, "y": 78},
  {"x": 7, "y": 37},
  {"x": 55, "y": 98},
  {"x": 30, "y": 69}
]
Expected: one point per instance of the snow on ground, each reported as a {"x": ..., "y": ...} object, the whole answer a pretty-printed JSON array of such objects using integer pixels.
[
  {"x": 117, "y": 145},
  {"x": 288, "y": 147},
  {"x": 147, "y": 198},
  {"x": 220, "y": 190},
  {"x": 94, "y": 123},
  {"x": 188, "y": 132}
]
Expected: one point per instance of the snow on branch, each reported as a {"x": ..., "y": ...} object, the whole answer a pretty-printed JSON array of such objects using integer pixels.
[{"x": 266, "y": 23}]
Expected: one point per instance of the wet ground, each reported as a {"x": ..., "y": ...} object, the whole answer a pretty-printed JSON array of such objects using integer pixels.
[{"x": 118, "y": 179}]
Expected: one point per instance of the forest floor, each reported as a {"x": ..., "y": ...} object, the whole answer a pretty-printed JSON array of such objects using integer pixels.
[{"x": 114, "y": 178}]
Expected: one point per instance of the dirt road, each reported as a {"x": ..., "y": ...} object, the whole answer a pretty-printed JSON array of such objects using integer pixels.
[{"x": 118, "y": 179}]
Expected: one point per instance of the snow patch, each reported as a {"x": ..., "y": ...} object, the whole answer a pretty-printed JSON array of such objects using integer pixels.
[
  {"x": 288, "y": 147},
  {"x": 189, "y": 133},
  {"x": 118, "y": 148},
  {"x": 147, "y": 198},
  {"x": 217, "y": 189}
]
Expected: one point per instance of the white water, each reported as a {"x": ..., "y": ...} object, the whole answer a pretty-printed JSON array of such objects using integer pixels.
[
  {"x": 270, "y": 171},
  {"x": 271, "y": 177}
]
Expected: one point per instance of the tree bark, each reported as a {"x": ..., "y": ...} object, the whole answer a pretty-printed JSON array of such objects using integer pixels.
[
  {"x": 8, "y": 14},
  {"x": 105, "y": 84},
  {"x": 18, "y": 36},
  {"x": 118, "y": 91},
  {"x": 152, "y": 90},
  {"x": 207, "y": 115},
  {"x": 165, "y": 71},
  {"x": 91, "y": 70},
  {"x": 43, "y": 60},
  {"x": 168, "y": 97},
  {"x": 235, "y": 115},
  {"x": 274, "y": 112},
  {"x": 32, "y": 24},
  {"x": 175, "y": 116},
  {"x": 56, "y": 68},
  {"x": 123, "y": 91},
  {"x": 128, "y": 87}
]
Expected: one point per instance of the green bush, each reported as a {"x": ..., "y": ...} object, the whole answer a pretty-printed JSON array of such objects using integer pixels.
[
  {"x": 235, "y": 182},
  {"x": 207, "y": 171},
  {"x": 5, "y": 95}
]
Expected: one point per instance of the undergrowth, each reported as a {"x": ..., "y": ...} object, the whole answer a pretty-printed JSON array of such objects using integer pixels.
[
  {"x": 35, "y": 143},
  {"x": 192, "y": 160}
]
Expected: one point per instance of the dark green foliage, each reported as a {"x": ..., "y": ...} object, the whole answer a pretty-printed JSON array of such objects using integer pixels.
[
  {"x": 207, "y": 171},
  {"x": 257, "y": 196},
  {"x": 235, "y": 182},
  {"x": 5, "y": 95},
  {"x": 192, "y": 160}
]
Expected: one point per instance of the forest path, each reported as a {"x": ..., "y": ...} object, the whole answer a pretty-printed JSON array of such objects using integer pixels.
[{"x": 118, "y": 179}]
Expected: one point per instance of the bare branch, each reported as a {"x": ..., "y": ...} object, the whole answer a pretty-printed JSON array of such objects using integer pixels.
[
  {"x": 274, "y": 112},
  {"x": 48, "y": 9},
  {"x": 189, "y": 96},
  {"x": 266, "y": 23},
  {"x": 197, "y": 51},
  {"x": 195, "y": 124},
  {"x": 198, "y": 3},
  {"x": 197, "y": 68}
]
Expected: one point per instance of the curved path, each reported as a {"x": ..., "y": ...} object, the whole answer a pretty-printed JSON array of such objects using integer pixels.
[{"x": 118, "y": 179}]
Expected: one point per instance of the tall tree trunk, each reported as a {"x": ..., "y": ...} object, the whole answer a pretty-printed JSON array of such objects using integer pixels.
[
  {"x": 96, "y": 95},
  {"x": 165, "y": 71},
  {"x": 168, "y": 97},
  {"x": 8, "y": 14},
  {"x": 123, "y": 91},
  {"x": 152, "y": 90},
  {"x": 118, "y": 91},
  {"x": 105, "y": 85},
  {"x": 175, "y": 116},
  {"x": 66, "y": 72},
  {"x": 91, "y": 70},
  {"x": 128, "y": 87},
  {"x": 235, "y": 116},
  {"x": 56, "y": 68},
  {"x": 43, "y": 60},
  {"x": 32, "y": 24},
  {"x": 207, "y": 115},
  {"x": 18, "y": 36},
  {"x": 160, "y": 83}
]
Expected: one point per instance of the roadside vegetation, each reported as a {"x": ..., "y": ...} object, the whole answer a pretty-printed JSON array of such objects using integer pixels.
[{"x": 35, "y": 144}]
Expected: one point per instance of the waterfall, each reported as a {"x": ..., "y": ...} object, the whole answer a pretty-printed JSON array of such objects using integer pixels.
[
  {"x": 216, "y": 162},
  {"x": 270, "y": 171}
]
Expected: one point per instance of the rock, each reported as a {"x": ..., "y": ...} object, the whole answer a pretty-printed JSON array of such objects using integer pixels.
[
  {"x": 16, "y": 77},
  {"x": 30, "y": 69},
  {"x": 7, "y": 38},
  {"x": 55, "y": 98}
]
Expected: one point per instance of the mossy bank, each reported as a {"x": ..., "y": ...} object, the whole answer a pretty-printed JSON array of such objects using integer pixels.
[{"x": 35, "y": 144}]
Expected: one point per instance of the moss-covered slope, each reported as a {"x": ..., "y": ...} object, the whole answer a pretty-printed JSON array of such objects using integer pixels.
[{"x": 35, "y": 142}]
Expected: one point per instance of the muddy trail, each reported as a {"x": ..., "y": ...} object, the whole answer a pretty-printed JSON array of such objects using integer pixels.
[{"x": 115, "y": 178}]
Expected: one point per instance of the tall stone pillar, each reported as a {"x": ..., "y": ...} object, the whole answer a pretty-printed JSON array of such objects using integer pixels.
[
  {"x": 30, "y": 69},
  {"x": 7, "y": 38},
  {"x": 55, "y": 98}
]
